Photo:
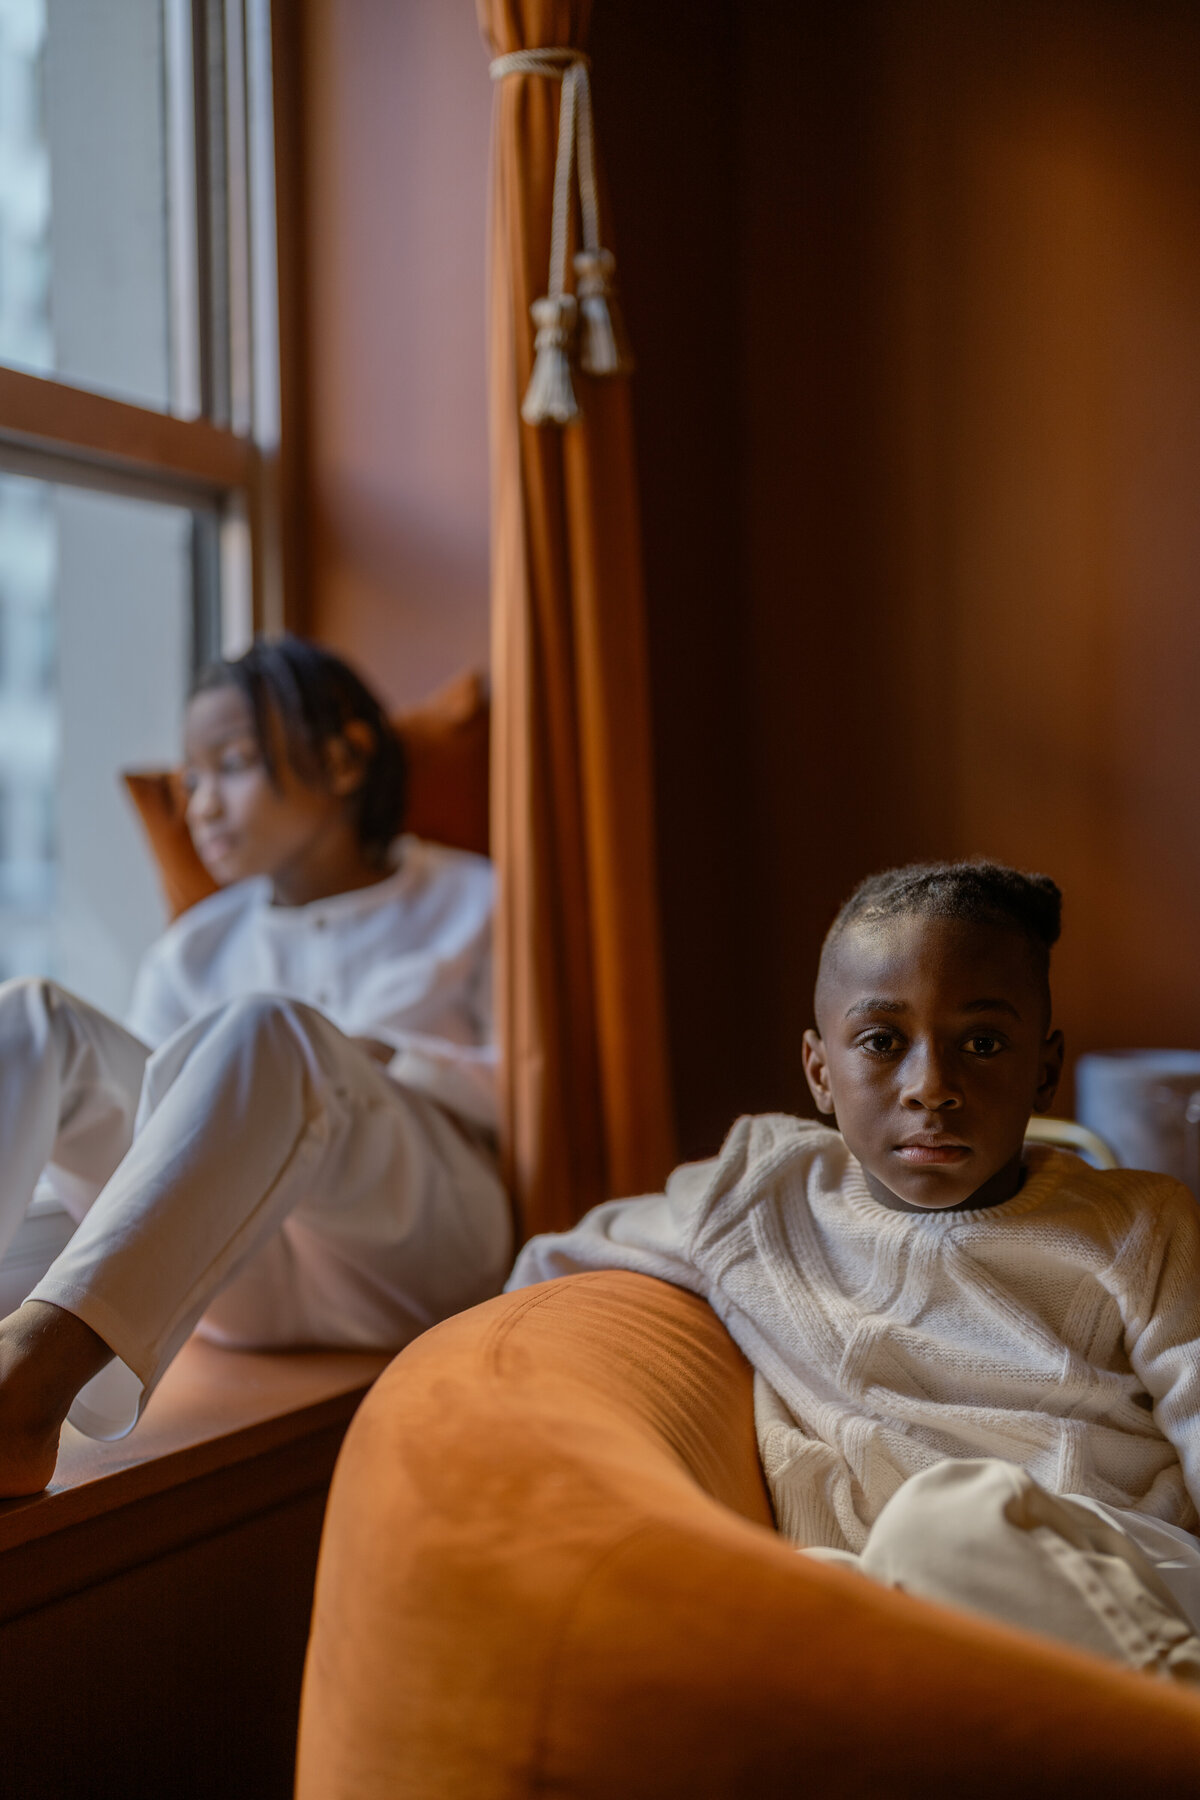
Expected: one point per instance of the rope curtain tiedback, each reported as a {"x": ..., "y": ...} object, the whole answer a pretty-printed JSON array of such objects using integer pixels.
[
  {"x": 603, "y": 348},
  {"x": 581, "y": 1017}
]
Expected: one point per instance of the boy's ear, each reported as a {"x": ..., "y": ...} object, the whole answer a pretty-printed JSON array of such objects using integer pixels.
[
  {"x": 816, "y": 1071},
  {"x": 347, "y": 756},
  {"x": 1049, "y": 1072}
]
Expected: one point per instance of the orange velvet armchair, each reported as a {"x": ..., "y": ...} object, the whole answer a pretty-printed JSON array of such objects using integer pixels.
[{"x": 549, "y": 1568}]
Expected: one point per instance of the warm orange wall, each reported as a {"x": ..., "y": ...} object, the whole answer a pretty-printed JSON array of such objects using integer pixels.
[
  {"x": 1069, "y": 385},
  {"x": 397, "y": 104}
]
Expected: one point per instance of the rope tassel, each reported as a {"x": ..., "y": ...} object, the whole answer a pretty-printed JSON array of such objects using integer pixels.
[
  {"x": 550, "y": 395},
  {"x": 603, "y": 345}
]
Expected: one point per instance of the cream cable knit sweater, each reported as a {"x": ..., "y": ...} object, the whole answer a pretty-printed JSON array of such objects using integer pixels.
[{"x": 1060, "y": 1330}]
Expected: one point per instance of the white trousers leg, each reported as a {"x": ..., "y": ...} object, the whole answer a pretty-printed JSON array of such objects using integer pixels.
[
  {"x": 70, "y": 1078},
  {"x": 982, "y": 1534},
  {"x": 277, "y": 1171}
]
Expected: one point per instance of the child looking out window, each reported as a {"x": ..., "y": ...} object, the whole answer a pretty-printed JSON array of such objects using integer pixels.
[
  {"x": 977, "y": 1364},
  {"x": 291, "y": 1140}
]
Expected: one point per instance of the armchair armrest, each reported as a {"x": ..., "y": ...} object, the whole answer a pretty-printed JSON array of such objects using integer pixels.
[{"x": 548, "y": 1568}]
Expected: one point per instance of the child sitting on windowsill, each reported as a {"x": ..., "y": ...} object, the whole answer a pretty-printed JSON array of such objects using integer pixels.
[
  {"x": 977, "y": 1364},
  {"x": 291, "y": 1142}
]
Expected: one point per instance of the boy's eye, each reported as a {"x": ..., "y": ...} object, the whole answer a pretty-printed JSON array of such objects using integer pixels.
[
  {"x": 233, "y": 762},
  {"x": 985, "y": 1043},
  {"x": 879, "y": 1043}
]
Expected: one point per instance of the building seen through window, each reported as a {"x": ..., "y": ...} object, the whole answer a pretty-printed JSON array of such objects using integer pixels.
[
  {"x": 28, "y": 705},
  {"x": 24, "y": 188},
  {"x": 136, "y": 284},
  {"x": 28, "y": 729}
]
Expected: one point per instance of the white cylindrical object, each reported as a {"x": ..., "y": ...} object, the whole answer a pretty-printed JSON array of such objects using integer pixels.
[{"x": 1146, "y": 1104}]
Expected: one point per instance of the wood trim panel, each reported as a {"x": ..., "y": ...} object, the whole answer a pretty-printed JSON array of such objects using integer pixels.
[
  {"x": 226, "y": 1437},
  {"x": 99, "y": 432},
  {"x": 131, "y": 1532}
]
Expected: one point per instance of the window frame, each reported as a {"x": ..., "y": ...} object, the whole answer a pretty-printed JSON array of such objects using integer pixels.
[{"x": 226, "y": 463}]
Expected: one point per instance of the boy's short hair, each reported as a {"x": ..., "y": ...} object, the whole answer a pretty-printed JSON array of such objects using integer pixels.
[
  {"x": 981, "y": 893},
  {"x": 315, "y": 696}
]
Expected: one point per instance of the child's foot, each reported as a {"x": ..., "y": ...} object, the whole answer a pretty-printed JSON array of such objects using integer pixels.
[{"x": 46, "y": 1356}]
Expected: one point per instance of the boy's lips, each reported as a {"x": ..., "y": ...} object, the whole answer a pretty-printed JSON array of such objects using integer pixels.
[
  {"x": 926, "y": 1151},
  {"x": 215, "y": 845}
]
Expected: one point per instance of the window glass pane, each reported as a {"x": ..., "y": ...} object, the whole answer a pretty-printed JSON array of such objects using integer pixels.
[
  {"x": 88, "y": 151},
  {"x": 96, "y": 628}
]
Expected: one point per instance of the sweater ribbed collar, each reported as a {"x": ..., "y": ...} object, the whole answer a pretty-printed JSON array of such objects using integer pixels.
[{"x": 1045, "y": 1171}]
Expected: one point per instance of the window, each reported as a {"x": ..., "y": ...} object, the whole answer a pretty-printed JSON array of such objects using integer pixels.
[
  {"x": 139, "y": 450},
  {"x": 139, "y": 436},
  {"x": 96, "y": 637}
]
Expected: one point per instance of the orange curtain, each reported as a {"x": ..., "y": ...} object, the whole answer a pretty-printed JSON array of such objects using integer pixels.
[{"x": 580, "y": 983}]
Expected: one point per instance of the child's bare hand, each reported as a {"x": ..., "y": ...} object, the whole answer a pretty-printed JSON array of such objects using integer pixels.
[{"x": 375, "y": 1048}]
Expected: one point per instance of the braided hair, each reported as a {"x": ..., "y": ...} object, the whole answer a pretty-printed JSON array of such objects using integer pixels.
[
  {"x": 980, "y": 893},
  {"x": 315, "y": 695}
]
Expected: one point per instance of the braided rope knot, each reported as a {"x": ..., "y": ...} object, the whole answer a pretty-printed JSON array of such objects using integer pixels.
[
  {"x": 536, "y": 62},
  {"x": 602, "y": 347}
]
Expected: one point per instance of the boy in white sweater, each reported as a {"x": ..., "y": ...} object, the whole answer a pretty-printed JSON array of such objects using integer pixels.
[{"x": 977, "y": 1364}]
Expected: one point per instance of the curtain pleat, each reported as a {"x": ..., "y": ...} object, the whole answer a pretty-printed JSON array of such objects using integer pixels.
[{"x": 581, "y": 1015}]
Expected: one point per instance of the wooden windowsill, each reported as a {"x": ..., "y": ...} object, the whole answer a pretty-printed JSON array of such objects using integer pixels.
[{"x": 226, "y": 1436}]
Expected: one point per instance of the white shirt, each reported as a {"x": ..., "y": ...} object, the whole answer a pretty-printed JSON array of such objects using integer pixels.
[
  {"x": 406, "y": 960},
  {"x": 1059, "y": 1330}
]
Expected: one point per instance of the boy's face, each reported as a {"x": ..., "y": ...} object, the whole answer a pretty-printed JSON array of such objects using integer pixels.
[
  {"x": 241, "y": 822},
  {"x": 932, "y": 1050}
]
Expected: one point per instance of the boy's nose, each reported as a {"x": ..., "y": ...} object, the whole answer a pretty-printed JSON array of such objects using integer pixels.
[
  {"x": 203, "y": 802},
  {"x": 929, "y": 1085}
]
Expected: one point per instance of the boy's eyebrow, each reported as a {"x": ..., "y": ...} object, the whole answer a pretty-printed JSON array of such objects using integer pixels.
[
  {"x": 876, "y": 1004},
  {"x": 218, "y": 740},
  {"x": 990, "y": 1005}
]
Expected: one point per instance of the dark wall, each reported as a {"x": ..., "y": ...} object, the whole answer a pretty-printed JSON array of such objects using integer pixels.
[
  {"x": 917, "y": 287},
  {"x": 745, "y": 167},
  {"x": 667, "y": 121}
]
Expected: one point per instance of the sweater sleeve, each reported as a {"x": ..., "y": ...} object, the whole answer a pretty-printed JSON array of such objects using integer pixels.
[
  {"x": 647, "y": 1236},
  {"x": 462, "y": 1075},
  {"x": 1163, "y": 1333},
  {"x": 690, "y": 1233},
  {"x": 459, "y": 1076}
]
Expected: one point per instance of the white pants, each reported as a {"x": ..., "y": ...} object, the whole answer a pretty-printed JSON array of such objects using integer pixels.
[
  {"x": 982, "y": 1534},
  {"x": 258, "y": 1174}
]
